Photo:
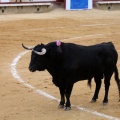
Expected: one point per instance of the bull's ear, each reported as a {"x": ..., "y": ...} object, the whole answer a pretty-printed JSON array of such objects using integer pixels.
[{"x": 42, "y": 44}]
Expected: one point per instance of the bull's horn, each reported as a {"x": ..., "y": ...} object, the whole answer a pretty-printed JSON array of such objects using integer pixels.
[
  {"x": 27, "y": 48},
  {"x": 41, "y": 53}
]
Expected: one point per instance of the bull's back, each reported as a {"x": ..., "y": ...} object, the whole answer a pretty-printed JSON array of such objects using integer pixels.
[{"x": 86, "y": 61}]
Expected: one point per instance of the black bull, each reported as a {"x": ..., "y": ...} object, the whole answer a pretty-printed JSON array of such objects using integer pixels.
[{"x": 68, "y": 63}]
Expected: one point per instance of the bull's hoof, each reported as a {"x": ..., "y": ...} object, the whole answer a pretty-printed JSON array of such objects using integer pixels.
[
  {"x": 61, "y": 106},
  {"x": 67, "y": 108},
  {"x": 92, "y": 101},
  {"x": 105, "y": 103}
]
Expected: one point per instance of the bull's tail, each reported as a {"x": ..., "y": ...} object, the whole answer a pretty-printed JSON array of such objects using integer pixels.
[{"x": 117, "y": 80}]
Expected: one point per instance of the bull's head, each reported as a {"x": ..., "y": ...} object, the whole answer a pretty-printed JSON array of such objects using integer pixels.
[{"x": 37, "y": 57}]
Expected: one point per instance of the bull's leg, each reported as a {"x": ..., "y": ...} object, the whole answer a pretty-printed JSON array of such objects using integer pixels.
[
  {"x": 108, "y": 74},
  {"x": 68, "y": 91},
  {"x": 107, "y": 85},
  {"x": 97, "y": 89},
  {"x": 62, "y": 93}
]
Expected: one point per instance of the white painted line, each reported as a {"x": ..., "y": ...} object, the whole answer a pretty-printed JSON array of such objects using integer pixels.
[
  {"x": 97, "y": 113},
  {"x": 51, "y": 28},
  {"x": 28, "y": 85},
  {"x": 46, "y": 95},
  {"x": 13, "y": 67},
  {"x": 18, "y": 78},
  {"x": 84, "y": 36}
]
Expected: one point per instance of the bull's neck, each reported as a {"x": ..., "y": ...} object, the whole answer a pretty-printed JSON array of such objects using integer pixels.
[
  {"x": 50, "y": 71},
  {"x": 53, "y": 69}
]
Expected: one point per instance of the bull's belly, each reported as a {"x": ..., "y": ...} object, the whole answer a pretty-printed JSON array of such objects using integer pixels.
[{"x": 83, "y": 75}]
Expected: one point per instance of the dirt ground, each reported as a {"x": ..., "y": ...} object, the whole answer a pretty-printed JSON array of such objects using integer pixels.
[{"x": 88, "y": 27}]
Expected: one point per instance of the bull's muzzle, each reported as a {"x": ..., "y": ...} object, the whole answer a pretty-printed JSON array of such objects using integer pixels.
[{"x": 31, "y": 69}]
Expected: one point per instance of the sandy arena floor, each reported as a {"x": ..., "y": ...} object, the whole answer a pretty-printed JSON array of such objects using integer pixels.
[{"x": 18, "y": 102}]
